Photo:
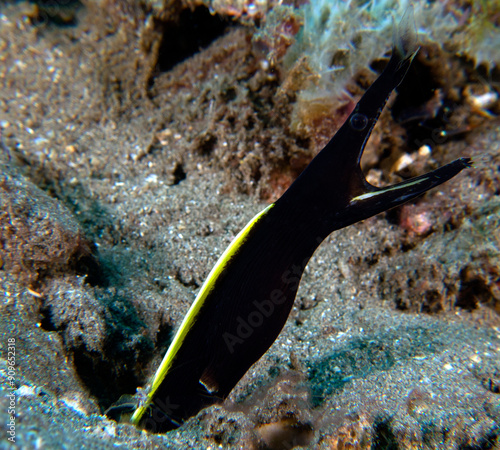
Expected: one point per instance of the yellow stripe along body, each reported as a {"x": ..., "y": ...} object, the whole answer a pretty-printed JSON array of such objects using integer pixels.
[
  {"x": 189, "y": 319},
  {"x": 245, "y": 301}
]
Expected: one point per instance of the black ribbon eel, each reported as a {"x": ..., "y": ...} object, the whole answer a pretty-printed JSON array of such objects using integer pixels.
[{"x": 247, "y": 297}]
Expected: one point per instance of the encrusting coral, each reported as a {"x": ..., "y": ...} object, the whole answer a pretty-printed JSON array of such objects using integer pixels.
[{"x": 339, "y": 38}]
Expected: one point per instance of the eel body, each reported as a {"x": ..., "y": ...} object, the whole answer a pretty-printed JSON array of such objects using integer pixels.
[{"x": 247, "y": 297}]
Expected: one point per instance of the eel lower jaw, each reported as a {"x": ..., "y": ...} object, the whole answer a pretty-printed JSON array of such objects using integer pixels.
[{"x": 377, "y": 200}]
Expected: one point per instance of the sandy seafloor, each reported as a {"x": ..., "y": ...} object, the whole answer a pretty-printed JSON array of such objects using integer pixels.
[{"x": 120, "y": 187}]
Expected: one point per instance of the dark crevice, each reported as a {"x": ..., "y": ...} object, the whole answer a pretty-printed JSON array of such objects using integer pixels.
[
  {"x": 473, "y": 291},
  {"x": 179, "y": 174},
  {"x": 96, "y": 371},
  {"x": 408, "y": 246},
  {"x": 383, "y": 437},
  {"x": 206, "y": 144},
  {"x": 91, "y": 268},
  {"x": 47, "y": 322},
  {"x": 433, "y": 302},
  {"x": 228, "y": 94},
  {"x": 423, "y": 108},
  {"x": 193, "y": 31},
  {"x": 125, "y": 351}
]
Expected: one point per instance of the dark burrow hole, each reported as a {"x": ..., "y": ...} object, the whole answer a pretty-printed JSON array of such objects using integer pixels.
[
  {"x": 421, "y": 110},
  {"x": 96, "y": 369},
  {"x": 193, "y": 31},
  {"x": 206, "y": 144},
  {"x": 105, "y": 379},
  {"x": 473, "y": 291},
  {"x": 126, "y": 352},
  {"x": 47, "y": 322},
  {"x": 178, "y": 173},
  {"x": 94, "y": 272},
  {"x": 118, "y": 368},
  {"x": 383, "y": 436},
  {"x": 432, "y": 302}
]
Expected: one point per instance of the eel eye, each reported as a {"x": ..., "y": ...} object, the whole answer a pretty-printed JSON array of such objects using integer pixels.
[{"x": 358, "y": 122}]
